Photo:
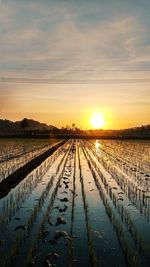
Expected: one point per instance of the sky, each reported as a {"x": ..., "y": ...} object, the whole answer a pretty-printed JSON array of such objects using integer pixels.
[{"x": 63, "y": 60}]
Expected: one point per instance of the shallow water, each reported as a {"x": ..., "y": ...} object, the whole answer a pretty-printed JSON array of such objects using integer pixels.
[{"x": 104, "y": 209}]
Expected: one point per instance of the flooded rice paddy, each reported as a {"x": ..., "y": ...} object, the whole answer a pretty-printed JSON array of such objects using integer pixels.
[
  {"x": 14, "y": 153},
  {"x": 86, "y": 204}
]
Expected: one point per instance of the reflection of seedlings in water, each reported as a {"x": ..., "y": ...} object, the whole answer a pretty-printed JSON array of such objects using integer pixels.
[
  {"x": 120, "y": 199},
  {"x": 14, "y": 251},
  {"x": 73, "y": 192},
  {"x": 130, "y": 182},
  {"x": 60, "y": 220},
  {"x": 92, "y": 255},
  {"x": 31, "y": 259},
  {"x": 52, "y": 255},
  {"x": 51, "y": 202},
  {"x": 20, "y": 227},
  {"x": 65, "y": 199},
  {"x": 17, "y": 218},
  {"x": 36, "y": 210},
  {"x": 121, "y": 219},
  {"x": 66, "y": 184},
  {"x": 140, "y": 244},
  {"x": 50, "y": 221},
  {"x": 44, "y": 233},
  {"x": 34, "y": 215},
  {"x": 47, "y": 263},
  {"x": 68, "y": 175},
  {"x": 99, "y": 234},
  {"x": 57, "y": 207},
  {"x": 50, "y": 258},
  {"x": 28, "y": 210},
  {"x": 131, "y": 256},
  {"x": 12, "y": 204},
  {"x": 40, "y": 204},
  {"x": 59, "y": 234},
  {"x": 64, "y": 192},
  {"x": 66, "y": 178},
  {"x": 63, "y": 209}
]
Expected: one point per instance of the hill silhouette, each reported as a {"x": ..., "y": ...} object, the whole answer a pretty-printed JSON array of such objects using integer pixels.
[
  {"x": 33, "y": 128},
  {"x": 25, "y": 125}
]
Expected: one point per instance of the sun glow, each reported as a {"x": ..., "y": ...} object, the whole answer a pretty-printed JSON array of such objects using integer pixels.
[{"x": 97, "y": 120}]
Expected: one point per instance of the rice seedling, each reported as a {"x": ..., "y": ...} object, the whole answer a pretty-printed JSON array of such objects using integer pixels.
[{"x": 78, "y": 206}]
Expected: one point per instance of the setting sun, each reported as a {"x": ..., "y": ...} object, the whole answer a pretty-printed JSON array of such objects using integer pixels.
[{"x": 97, "y": 120}]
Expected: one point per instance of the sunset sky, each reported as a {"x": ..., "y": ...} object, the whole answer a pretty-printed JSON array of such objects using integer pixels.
[{"x": 63, "y": 60}]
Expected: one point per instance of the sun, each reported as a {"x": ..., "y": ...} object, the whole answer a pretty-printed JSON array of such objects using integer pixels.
[{"x": 97, "y": 120}]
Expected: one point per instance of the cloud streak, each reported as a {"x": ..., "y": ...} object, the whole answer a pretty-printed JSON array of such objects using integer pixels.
[{"x": 55, "y": 39}]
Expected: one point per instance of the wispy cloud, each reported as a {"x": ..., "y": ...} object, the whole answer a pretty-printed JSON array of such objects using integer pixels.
[{"x": 53, "y": 39}]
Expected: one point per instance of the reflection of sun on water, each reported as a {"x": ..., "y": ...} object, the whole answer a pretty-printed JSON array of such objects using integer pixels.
[{"x": 98, "y": 146}]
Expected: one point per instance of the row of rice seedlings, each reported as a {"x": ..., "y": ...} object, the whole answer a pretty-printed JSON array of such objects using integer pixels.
[
  {"x": 135, "y": 153},
  {"x": 116, "y": 224},
  {"x": 43, "y": 197},
  {"x": 33, "y": 216},
  {"x": 140, "y": 243},
  {"x": 123, "y": 187},
  {"x": 136, "y": 196},
  {"x": 51, "y": 203},
  {"x": 8, "y": 167},
  {"x": 33, "y": 250},
  {"x": 132, "y": 165},
  {"x": 14, "y": 201},
  {"x": 130, "y": 254},
  {"x": 22, "y": 151},
  {"x": 139, "y": 152},
  {"x": 74, "y": 148},
  {"x": 11, "y": 148},
  {"x": 92, "y": 256},
  {"x": 127, "y": 166}
]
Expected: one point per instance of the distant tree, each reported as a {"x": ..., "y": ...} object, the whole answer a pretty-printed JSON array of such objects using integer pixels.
[
  {"x": 24, "y": 123},
  {"x": 68, "y": 128},
  {"x": 73, "y": 127}
]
